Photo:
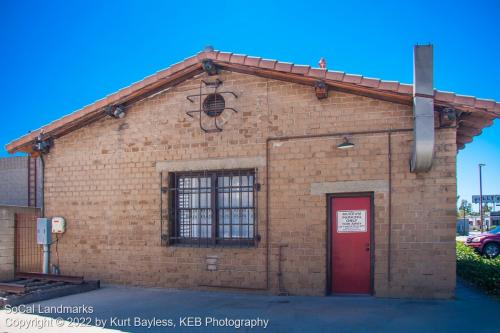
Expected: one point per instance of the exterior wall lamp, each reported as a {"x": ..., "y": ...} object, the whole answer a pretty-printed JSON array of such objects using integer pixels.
[
  {"x": 447, "y": 117},
  {"x": 320, "y": 89},
  {"x": 209, "y": 67},
  {"x": 115, "y": 111},
  {"x": 346, "y": 144},
  {"x": 42, "y": 144}
]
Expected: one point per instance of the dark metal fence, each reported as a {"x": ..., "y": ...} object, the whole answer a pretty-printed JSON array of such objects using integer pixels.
[{"x": 28, "y": 254}]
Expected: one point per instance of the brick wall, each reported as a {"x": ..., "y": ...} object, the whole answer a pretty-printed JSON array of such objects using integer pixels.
[
  {"x": 103, "y": 180},
  {"x": 6, "y": 244},
  {"x": 14, "y": 181},
  {"x": 7, "y": 238}
]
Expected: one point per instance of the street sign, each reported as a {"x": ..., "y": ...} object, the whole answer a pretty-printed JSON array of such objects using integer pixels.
[{"x": 487, "y": 198}]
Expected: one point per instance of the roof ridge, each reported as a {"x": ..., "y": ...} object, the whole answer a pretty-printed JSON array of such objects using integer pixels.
[
  {"x": 331, "y": 74},
  {"x": 193, "y": 63}
]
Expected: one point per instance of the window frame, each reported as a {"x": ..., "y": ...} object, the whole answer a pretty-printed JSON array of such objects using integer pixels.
[{"x": 215, "y": 239}]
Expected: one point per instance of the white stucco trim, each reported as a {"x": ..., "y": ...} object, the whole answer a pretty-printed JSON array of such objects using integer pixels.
[
  {"x": 211, "y": 164},
  {"x": 350, "y": 186}
]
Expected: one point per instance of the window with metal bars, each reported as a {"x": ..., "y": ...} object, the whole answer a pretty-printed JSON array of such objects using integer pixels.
[{"x": 213, "y": 207}]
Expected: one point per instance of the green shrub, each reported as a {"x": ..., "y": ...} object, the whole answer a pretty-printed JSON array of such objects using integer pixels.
[{"x": 482, "y": 272}]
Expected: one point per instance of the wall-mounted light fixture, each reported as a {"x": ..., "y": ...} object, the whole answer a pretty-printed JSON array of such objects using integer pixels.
[
  {"x": 209, "y": 67},
  {"x": 42, "y": 144},
  {"x": 447, "y": 117},
  {"x": 346, "y": 144},
  {"x": 115, "y": 111},
  {"x": 321, "y": 89}
]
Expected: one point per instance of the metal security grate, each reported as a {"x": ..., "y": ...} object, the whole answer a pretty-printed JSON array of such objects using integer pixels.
[
  {"x": 194, "y": 197},
  {"x": 28, "y": 256},
  {"x": 212, "y": 208},
  {"x": 235, "y": 206},
  {"x": 214, "y": 105}
]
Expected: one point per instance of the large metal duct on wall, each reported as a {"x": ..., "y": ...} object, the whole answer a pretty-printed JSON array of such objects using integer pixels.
[{"x": 423, "y": 109}]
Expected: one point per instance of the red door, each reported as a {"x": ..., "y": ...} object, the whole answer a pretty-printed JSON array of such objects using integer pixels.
[{"x": 351, "y": 259}]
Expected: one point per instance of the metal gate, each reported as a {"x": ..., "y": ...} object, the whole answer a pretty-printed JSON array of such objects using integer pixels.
[{"x": 28, "y": 254}]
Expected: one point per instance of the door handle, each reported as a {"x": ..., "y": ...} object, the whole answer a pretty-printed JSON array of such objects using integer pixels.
[{"x": 367, "y": 247}]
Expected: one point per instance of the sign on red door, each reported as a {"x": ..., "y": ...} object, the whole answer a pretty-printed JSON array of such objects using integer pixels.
[{"x": 351, "y": 258}]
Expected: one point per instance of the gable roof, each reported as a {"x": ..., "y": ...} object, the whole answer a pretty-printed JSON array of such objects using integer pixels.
[{"x": 476, "y": 114}]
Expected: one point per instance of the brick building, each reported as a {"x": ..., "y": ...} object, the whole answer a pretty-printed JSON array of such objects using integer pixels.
[
  {"x": 20, "y": 181},
  {"x": 231, "y": 171}
]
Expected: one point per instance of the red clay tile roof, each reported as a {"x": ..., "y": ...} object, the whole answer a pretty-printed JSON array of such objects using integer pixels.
[{"x": 477, "y": 113}]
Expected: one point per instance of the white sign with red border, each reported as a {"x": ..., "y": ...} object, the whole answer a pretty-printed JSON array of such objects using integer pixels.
[{"x": 351, "y": 221}]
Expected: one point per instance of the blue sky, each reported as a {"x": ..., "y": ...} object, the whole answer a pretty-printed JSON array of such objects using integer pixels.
[{"x": 58, "y": 56}]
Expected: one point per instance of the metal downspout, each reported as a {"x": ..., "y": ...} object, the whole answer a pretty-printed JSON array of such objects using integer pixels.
[
  {"x": 42, "y": 197},
  {"x": 46, "y": 247},
  {"x": 389, "y": 218}
]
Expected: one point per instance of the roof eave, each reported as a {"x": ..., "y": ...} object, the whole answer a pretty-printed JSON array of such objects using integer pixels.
[{"x": 483, "y": 111}]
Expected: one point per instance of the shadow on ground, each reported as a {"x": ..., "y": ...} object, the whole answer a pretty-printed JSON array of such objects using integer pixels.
[{"x": 471, "y": 311}]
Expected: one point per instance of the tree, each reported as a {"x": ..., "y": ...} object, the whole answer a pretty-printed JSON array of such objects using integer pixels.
[
  {"x": 486, "y": 208},
  {"x": 466, "y": 207}
]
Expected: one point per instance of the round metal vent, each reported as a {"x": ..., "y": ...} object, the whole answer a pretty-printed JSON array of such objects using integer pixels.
[{"x": 213, "y": 105}]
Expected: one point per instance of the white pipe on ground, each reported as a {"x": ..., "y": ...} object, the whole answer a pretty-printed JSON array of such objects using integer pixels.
[{"x": 46, "y": 258}]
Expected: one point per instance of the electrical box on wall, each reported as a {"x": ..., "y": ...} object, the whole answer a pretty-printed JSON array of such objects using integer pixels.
[
  {"x": 58, "y": 225},
  {"x": 43, "y": 231}
]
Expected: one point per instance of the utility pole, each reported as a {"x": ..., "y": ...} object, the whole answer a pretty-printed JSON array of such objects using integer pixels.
[
  {"x": 481, "y": 165},
  {"x": 465, "y": 224}
]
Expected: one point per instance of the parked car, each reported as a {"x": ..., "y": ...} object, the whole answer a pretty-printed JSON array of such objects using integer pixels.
[{"x": 487, "y": 244}]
